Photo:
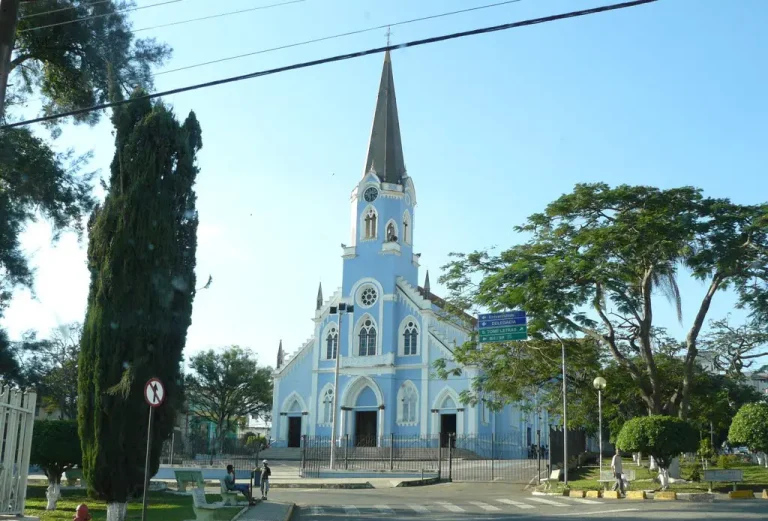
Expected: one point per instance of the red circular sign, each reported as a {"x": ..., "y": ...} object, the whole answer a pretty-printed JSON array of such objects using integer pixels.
[{"x": 154, "y": 392}]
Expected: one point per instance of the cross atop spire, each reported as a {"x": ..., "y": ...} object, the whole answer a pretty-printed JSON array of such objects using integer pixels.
[
  {"x": 389, "y": 33},
  {"x": 385, "y": 150}
]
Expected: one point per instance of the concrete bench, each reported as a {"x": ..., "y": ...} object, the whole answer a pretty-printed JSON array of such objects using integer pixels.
[
  {"x": 607, "y": 477},
  {"x": 723, "y": 476},
  {"x": 228, "y": 497},
  {"x": 204, "y": 511},
  {"x": 553, "y": 477},
  {"x": 75, "y": 475},
  {"x": 188, "y": 476}
]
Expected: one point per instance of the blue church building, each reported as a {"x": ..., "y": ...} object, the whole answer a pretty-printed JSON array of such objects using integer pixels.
[{"x": 395, "y": 331}]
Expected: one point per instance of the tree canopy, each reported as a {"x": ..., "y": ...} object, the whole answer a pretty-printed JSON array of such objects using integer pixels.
[
  {"x": 735, "y": 347},
  {"x": 662, "y": 437},
  {"x": 597, "y": 259},
  {"x": 750, "y": 427},
  {"x": 55, "y": 447},
  {"x": 227, "y": 386}
]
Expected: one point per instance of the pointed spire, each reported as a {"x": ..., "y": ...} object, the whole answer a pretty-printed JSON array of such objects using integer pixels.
[
  {"x": 319, "y": 297},
  {"x": 385, "y": 150},
  {"x": 280, "y": 355},
  {"x": 426, "y": 284}
]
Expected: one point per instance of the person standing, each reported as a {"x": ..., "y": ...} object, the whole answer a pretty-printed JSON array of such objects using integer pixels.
[
  {"x": 265, "y": 473},
  {"x": 617, "y": 471}
]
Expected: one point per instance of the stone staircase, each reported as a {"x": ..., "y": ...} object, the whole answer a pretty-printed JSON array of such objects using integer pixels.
[{"x": 280, "y": 454}]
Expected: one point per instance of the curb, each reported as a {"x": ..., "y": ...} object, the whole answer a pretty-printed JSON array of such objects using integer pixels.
[
  {"x": 703, "y": 497},
  {"x": 349, "y": 486},
  {"x": 290, "y": 512},
  {"x": 421, "y": 482},
  {"x": 240, "y": 514}
]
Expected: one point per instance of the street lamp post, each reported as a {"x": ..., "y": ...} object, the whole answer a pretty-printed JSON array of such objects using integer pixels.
[
  {"x": 341, "y": 309},
  {"x": 599, "y": 384}
]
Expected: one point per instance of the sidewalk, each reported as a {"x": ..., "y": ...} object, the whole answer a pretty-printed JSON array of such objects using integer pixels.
[{"x": 268, "y": 511}]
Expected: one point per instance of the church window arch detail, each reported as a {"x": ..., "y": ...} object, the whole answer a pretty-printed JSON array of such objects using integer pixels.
[
  {"x": 366, "y": 337},
  {"x": 331, "y": 339},
  {"x": 391, "y": 234},
  {"x": 407, "y": 228},
  {"x": 326, "y": 405},
  {"x": 409, "y": 337},
  {"x": 369, "y": 224},
  {"x": 407, "y": 404},
  {"x": 367, "y": 296}
]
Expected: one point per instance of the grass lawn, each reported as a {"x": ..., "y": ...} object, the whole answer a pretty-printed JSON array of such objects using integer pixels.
[
  {"x": 585, "y": 478},
  {"x": 162, "y": 507}
]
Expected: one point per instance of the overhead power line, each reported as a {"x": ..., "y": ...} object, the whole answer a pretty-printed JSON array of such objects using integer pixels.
[
  {"x": 340, "y": 57},
  {"x": 102, "y": 15},
  {"x": 258, "y": 8},
  {"x": 52, "y": 11},
  {"x": 340, "y": 35}
]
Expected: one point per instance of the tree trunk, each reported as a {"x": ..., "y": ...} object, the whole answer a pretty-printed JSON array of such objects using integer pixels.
[
  {"x": 664, "y": 478},
  {"x": 9, "y": 16},
  {"x": 53, "y": 494},
  {"x": 116, "y": 511}
]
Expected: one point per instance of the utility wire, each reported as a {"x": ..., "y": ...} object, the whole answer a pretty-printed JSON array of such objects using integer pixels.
[
  {"x": 63, "y": 9},
  {"x": 324, "y": 38},
  {"x": 102, "y": 15},
  {"x": 220, "y": 15},
  {"x": 340, "y": 57}
]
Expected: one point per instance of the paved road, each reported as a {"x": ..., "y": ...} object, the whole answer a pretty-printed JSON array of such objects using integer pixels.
[{"x": 464, "y": 501}]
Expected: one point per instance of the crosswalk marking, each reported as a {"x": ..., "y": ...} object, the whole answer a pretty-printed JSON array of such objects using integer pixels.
[
  {"x": 515, "y": 503},
  {"x": 384, "y": 509},
  {"x": 317, "y": 511},
  {"x": 584, "y": 501},
  {"x": 547, "y": 502},
  {"x": 421, "y": 509},
  {"x": 485, "y": 506},
  {"x": 450, "y": 507},
  {"x": 351, "y": 510}
]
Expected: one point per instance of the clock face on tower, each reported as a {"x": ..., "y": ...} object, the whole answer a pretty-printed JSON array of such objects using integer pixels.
[{"x": 370, "y": 194}]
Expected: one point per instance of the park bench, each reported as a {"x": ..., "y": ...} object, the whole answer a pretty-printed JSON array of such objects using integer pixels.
[
  {"x": 189, "y": 476},
  {"x": 723, "y": 476},
  {"x": 553, "y": 477},
  {"x": 607, "y": 477},
  {"x": 74, "y": 475},
  {"x": 228, "y": 497},
  {"x": 204, "y": 511}
]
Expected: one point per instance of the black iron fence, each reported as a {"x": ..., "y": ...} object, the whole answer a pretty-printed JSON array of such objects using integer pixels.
[
  {"x": 203, "y": 452},
  {"x": 476, "y": 457}
]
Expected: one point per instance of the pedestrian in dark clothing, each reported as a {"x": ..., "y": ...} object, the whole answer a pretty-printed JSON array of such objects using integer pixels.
[{"x": 265, "y": 473}]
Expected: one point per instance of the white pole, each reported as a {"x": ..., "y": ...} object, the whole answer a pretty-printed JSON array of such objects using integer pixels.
[
  {"x": 600, "y": 423},
  {"x": 335, "y": 397}
]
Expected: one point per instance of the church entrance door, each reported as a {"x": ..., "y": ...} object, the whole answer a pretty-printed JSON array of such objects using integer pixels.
[
  {"x": 365, "y": 428},
  {"x": 294, "y": 431},
  {"x": 447, "y": 430}
]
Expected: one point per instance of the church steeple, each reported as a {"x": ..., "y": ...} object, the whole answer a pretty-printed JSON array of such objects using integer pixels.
[
  {"x": 385, "y": 150},
  {"x": 280, "y": 355},
  {"x": 426, "y": 284},
  {"x": 319, "y": 297}
]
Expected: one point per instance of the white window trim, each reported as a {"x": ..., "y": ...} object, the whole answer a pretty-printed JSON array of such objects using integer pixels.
[
  {"x": 408, "y": 231},
  {"x": 401, "y": 338},
  {"x": 324, "y": 340},
  {"x": 359, "y": 297},
  {"x": 321, "y": 406},
  {"x": 401, "y": 405},
  {"x": 397, "y": 230},
  {"x": 363, "y": 214},
  {"x": 356, "y": 333}
]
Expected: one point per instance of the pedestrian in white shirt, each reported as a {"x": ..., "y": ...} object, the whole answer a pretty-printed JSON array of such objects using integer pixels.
[{"x": 617, "y": 471}]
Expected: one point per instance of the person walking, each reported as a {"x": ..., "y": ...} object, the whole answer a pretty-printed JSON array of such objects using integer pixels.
[
  {"x": 617, "y": 471},
  {"x": 265, "y": 473}
]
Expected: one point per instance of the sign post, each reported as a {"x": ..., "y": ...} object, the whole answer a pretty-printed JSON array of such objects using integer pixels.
[
  {"x": 503, "y": 327},
  {"x": 154, "y": 395}
]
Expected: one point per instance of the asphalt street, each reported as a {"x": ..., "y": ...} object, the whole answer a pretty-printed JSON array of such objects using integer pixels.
[{"x": 462, "y": 501}]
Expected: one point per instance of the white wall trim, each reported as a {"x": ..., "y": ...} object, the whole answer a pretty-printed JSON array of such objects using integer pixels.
[
  {"x": 401, "y": 337},
  {"x": 323, "y": 340},
  {"x": 401, "y": 405},
  {"x": 321, "y": 406}
]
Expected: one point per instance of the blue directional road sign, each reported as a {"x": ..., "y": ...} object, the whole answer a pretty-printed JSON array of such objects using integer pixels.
[{"x": 501, "y": 327}]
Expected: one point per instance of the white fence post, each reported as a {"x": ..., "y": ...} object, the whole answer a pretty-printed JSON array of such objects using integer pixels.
[{"x": 17, "y": 417}]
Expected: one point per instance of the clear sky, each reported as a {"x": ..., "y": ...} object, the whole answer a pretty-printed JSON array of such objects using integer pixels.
[{"x": 494, "y": 127}]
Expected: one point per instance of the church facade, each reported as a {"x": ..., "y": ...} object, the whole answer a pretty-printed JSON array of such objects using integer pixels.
[{"x": 386, "y": 329}]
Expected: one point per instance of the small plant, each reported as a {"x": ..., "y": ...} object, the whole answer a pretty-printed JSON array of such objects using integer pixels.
[
  {"x": 695, "y": 474},
  {"x": 725, "y": 461}
]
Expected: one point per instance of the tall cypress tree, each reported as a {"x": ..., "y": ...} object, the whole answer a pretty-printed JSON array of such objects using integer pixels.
[{"x": 141, "y": 255}]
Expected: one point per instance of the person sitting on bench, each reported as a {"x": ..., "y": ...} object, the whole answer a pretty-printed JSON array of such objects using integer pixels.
[{"x": 229, "y": 481}]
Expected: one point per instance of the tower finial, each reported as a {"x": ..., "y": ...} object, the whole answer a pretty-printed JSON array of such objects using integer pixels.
[
  {"x": 389, "y": 34},
  {"x": 319, "y": 297},
  {"x": 426, "y": 284},
  {"x": 280, "y": 355}
]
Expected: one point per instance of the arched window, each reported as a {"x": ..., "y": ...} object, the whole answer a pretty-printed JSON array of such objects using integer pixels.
[
  {"x": 409, "y": 402},
  {"x": 331, "y": 343},
  {"x": 407, "y": 228},
  {"x": 367, "y": 338},
  {"x": 327, "y": 406},
  {"x": 370, "y": 220},
  {"x": 410, "y": 338},
  {"x": 391, "y": 232}
]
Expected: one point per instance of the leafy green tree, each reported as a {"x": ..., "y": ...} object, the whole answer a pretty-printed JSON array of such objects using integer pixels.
[
  {"x": 226, "y": 386},
  {"x": 597, "y": 260},
  {"x": 750, "y": 427},
  {"x": 663, "y": 437},
  {"x": 141, "y": 256},
  {"x": 55, "y": 449}
]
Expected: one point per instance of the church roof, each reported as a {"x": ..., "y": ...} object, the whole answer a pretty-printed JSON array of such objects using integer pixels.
[
  {"x": 439, "y": 302},
  {"x": 385, "y": 150}
]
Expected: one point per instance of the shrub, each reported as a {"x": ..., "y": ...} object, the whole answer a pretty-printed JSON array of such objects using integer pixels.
[
  {"x": 55, "y": 447},
  {"x": 662, "y": 437},
  {"x": 750, "y": 427},
  {"x": 695, "y": 474}
]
